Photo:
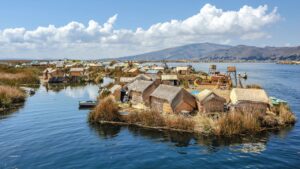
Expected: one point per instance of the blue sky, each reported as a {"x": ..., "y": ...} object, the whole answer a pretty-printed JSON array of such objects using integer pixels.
[{"x": 281, "y": 30}]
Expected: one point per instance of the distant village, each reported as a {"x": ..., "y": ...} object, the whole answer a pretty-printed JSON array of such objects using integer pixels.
[
  {"x": 156, "y": 86},
  {"x": 194, "y": 99}
]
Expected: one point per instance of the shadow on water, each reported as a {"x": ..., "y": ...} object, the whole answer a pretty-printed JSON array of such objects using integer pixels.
[
  {"x": 8, "y": 113},
  {"x": 244, "y": 143},
  {"x": 106, "y": 131}
]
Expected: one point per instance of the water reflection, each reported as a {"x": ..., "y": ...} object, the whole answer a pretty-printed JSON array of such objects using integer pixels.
[
  {"x": 8, "y": 113},
  {"x": 106, "y": 131},
  {"x": 212, "y": 144}
]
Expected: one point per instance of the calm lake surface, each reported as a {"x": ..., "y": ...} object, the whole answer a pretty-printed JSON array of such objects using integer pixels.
[{"x": 49, "y": 131}]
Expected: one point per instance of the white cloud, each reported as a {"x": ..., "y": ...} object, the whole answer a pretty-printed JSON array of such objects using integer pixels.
[{"x": 75, "y": 39}]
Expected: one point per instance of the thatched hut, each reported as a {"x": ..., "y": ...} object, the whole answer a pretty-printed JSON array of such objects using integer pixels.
[
  {"x": 249, "y": 100},
  {"x": 139, "y": 91},
  {"x": 183, "y": 70},
  {"x": 171, "y": 99},
  {"x": 170, "y": 80},
  {"x": 126, "y": 80},
  {"x": 154, "y": 74},
  {"x": 53, "y": 75},
  {"x": 209, "y": 102},
  {"x": 76, "y": 74}
]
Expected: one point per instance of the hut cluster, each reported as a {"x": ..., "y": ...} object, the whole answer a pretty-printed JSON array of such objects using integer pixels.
[{"x": 182, "y": 90}]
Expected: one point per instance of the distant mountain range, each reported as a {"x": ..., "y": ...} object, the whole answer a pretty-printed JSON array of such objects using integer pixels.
[{"x": 211, "y": 51}]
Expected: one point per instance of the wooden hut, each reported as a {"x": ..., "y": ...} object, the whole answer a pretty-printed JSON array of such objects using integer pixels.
[
  {"x": 249, "y": 100},
  {"x": 154, "y": 74},
  {"x": 182, "y": 70},
  {"x": 53, "y": 75},
  {"x": 170, "y": 80},
  {"x": 139, "y": 91},
  {"x": 171, "y": 99},
  {"x": 76, "y": 74},
  {"x": 209, "y": 102}
]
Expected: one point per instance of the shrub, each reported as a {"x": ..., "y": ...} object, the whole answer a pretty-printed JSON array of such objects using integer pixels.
[{"x": 107, "y": 110}]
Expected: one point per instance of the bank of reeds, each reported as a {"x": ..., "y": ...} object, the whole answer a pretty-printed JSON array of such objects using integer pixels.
[
  {"x": 106, "y": 110},
  {"x": 223, "y": 124},
  {"x": 16, "y": 76},
  {"x": 237, "y": 123},
  {"x": 9, "y": 96}
]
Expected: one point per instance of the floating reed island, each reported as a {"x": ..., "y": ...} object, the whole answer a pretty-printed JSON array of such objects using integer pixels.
[
  {"x": 182, "y": 99},
  {"x": 12, "y": 95}
]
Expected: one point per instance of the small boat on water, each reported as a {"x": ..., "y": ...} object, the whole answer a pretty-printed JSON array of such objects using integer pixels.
[
  {"x": 28, "y": 90},
  {"x": 275, "y": 101},
  {"x": 31, "y": 92},
  {"x": 244, "y": 75},
  {"x": 87, "y": 104}
]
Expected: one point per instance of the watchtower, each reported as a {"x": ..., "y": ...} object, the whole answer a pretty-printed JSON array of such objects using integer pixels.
[
  {"x": 212, "y": 69},
  {"x": 231, "y": 72}
]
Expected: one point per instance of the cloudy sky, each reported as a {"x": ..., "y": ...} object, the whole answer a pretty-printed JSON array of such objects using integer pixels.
[{"x": 95, "y": 29}]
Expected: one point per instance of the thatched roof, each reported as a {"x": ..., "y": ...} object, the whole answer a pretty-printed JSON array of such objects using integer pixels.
[
  {"x": 252, "y": 95},
  {"x": 127, "y": 79},
  {"x": 182, "y": 68},
  {"x": 143, "y": 77},
  {"x": 131, "y": 79},
  {"x": 206, "y": 95},
  {"x": 152, "y": 71},
  {"x": 166, "y": 92},
  {"x": 132, "y": 70},
  {"x": 114, "y": 88},
  {"x": 76, "y": 69},
  {"x": 169, "y": 77},
  {"x": 139, "y": 85}
]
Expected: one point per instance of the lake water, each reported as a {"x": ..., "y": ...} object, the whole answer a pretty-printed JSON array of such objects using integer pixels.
[{"x": 49, "y": 131}]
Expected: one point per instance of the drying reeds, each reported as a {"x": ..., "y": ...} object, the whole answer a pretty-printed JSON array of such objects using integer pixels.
[
  {"x": 237, "y": 123},
  {"x": 106, "y": 110},
  {"x": 10, "y": 95},
  {"x": 13, "y": 76}
]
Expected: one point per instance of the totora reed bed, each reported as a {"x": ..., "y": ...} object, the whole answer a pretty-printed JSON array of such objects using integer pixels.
[
  {"x": 10, "y": 96},
  {"x": 226, "y": 124}
]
